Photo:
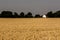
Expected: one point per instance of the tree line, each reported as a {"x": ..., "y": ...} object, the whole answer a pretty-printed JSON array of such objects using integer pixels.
[
  {"x": 53, "y": 15},
  {"x": 10, "y": 14}
]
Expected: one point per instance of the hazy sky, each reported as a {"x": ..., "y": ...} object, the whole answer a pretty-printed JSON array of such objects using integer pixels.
[{"x": 34, "y": 6}]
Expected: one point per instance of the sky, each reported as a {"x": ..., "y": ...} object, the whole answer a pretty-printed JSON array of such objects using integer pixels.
[{"x": 34, "y": 6}]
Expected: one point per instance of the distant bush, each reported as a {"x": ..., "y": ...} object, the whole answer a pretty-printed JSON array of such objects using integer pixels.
[{"x": 37, "y": 16}]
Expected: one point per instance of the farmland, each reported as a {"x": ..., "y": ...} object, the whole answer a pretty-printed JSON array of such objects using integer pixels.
[{"x": 29, "y": 28}]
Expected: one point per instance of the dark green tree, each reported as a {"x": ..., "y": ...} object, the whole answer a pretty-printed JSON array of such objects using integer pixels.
[
  {"x": 22, "y": 15},
  {"x": 50, "y": 14},
  {"x": 57, "y": 14},
  {"x": 29, "y": 15},
  {"x": 16, "y": 15},
  {"x": 6, "y": 14}
]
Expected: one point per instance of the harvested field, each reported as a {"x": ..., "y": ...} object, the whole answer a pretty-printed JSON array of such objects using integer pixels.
[{"x": 29, "y": 28}]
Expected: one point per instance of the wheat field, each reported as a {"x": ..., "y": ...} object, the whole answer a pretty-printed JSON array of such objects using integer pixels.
[{"x": 29, "y": 28}]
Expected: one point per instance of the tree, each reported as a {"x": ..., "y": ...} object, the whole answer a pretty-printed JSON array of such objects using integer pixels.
[
  {"x": 16, "y": 15},
  {"x": 37, "y": 16},
  {"x": 0, "y": 15},
  {"x": 50, "y": 14},
  {"x": 22, "y": 15},
  {"x": 29, "y": 15},
  {"x": 6, "y": 14},
  {"x": 57, "y": 14}
]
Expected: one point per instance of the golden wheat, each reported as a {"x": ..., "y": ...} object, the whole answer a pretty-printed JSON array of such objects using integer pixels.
[{"x": 29, "y": 29}]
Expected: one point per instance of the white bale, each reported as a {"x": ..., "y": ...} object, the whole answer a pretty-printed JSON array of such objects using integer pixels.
[{"x": 44, "y": 16}]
